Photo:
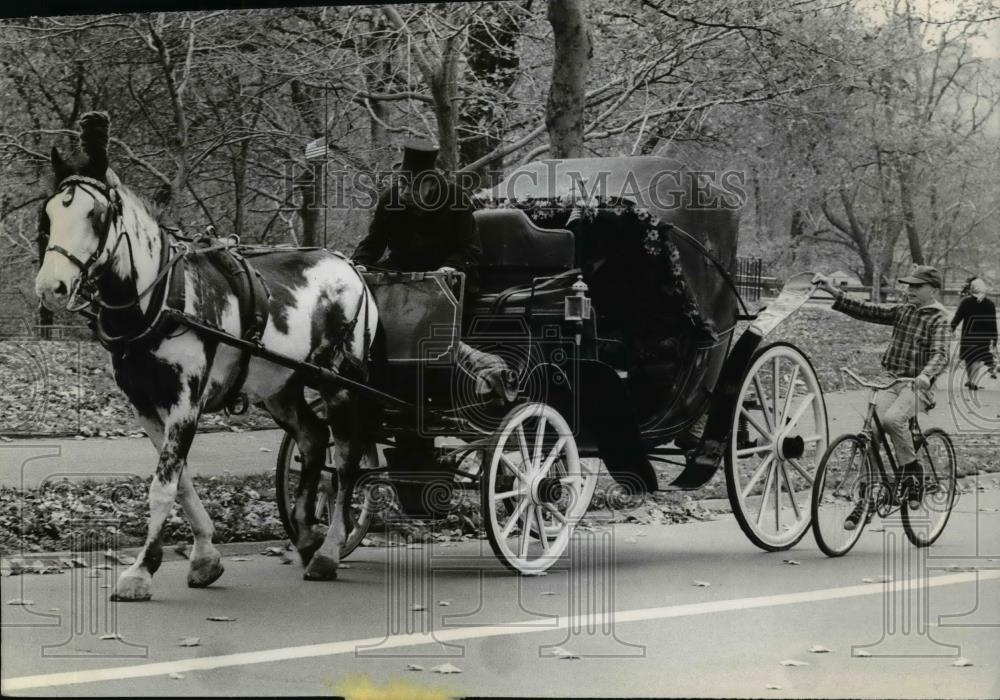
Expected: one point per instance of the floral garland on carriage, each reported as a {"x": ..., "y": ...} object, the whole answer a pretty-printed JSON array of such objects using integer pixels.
[{"x": 654, "y": 234}]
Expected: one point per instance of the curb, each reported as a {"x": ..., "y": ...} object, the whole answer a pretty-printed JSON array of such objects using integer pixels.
[{"x": 170, "y": 553}]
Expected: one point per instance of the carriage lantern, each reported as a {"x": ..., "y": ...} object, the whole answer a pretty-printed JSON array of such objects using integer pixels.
[{"x": 577, "y": 306}]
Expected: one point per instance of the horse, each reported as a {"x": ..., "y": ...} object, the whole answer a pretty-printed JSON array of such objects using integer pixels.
[{"x": 105, "y": 245}]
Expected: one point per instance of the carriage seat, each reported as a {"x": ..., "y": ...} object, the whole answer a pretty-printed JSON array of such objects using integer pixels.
[{"x": 515, "y": 250}]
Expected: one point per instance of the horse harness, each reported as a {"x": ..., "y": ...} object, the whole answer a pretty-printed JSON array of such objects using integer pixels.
[{"x": 167, "y": 291}]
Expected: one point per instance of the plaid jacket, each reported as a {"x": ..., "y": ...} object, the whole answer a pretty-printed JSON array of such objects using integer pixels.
[{"x": 920, "y": 337}]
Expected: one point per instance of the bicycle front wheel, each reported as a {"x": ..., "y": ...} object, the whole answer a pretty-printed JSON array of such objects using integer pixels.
[
  {"x": 841, "y": 495},
  {"x": 924, "y": 521}
]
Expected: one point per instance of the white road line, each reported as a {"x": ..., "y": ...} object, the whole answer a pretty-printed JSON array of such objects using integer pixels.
[{"x": 52, "y": 680}]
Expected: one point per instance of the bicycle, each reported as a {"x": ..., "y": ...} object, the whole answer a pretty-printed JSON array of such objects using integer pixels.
[{"x": 852, "y": 476}]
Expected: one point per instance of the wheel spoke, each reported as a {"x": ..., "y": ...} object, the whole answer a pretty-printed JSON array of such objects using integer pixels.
[
  {"x": 536, "y": 459},
  {"x": 812, "y": 438},
  {"x": 747, "y": 451},
  {"x": 756, "y": 475},
  {"x": 764, "y": 407},
  {"x": 766, "y": 432},
  {"x": 791, "y": 492},
  {"x": 775, "y": 390},
  {"x": 514, "y": 517},
  {"x": 800, "y": 411},
  {"x": 788, "y": 397},
  {"x": 504, "y": 495},
  {"x": 522, "y": 442},
  {"x": 553, "y": 453},
  {"x": 555, "y": 513},
  {"x": 799, "y": 468},
  {"x": 526, "y": 531},
  {"x": 777, "y": 496},
  {"x": 513, "y": 468},
  {"x": 540, "y": 522},
  {"x": 765, "y": 494}
]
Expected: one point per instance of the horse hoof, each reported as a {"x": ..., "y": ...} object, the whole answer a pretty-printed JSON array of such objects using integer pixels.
[
  {"x": 321, "y": 568},
  {"x": 205, "y": 572},
  {"x": 307, "y": 547},
  {"x": 131, "y": 589}
]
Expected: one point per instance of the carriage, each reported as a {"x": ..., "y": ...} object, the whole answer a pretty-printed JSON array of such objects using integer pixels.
[{"x": 607, "y": 295}]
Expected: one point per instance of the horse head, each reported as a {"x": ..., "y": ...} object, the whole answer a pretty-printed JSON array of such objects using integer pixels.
[{"x": 79, "y": 215}]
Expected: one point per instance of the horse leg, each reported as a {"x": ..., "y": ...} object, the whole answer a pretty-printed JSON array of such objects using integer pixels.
[
  {"x": 290, "y": 410},
  {"x": 349, "y": 450},
  {"x": 135, "y": 583},
  {"x": 206, "y": 562}
]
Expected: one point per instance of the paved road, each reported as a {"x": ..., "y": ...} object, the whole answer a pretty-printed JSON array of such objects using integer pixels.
[
  {"x": 29, "y": 462},
  {"x": 667, "y": 637}
]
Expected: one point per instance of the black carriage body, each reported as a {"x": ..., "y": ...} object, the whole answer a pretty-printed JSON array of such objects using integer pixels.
[{"x": 534, "y": 247}]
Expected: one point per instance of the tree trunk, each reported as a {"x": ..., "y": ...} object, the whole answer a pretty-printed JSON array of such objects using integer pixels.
[
  {"x": 564, "y": 110},
  {"x": 909, "y": 214}
]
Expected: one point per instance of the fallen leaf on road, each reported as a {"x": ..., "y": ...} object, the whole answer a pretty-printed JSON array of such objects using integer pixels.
[
  {"x": 273, "y": 551},
  {"x": 794, "y": 662},
  {"x": 772, "y": 686},
  {"x": 53, "y": 609},
  {"x": 220, "y": 618},
  {"x": 20, "y": 601},
  {"x": 417, "y": 607},
  {"x": 819, "y": 649},
  {"x": 701, "y": 584},
  {"x": 240, "y": 559},
  {"x": 444, "y": 603},
  {"x": 177, "y": 676},
  {"x": 861, "y": 653},
  {"x": 125, "y": 559},
  {"x": 113, "y": 635},
  {"x": 414, "y": 667},
  {"x": 446, "y": 668},
  {"x": 548, "y": 593},
  {"x": 561, "y": 653},
  {"x": 265, "y": 449},
  {"x": 962, "y": 662},
  {"x": 867, "y": 580},
  {"x": 791, "y": 562},
  {"x": 343, "y": 566},
  {"x": 189, "y": 642}
]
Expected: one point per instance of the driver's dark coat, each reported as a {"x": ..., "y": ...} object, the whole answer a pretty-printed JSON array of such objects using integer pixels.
[{"x": 418, "y": 239}]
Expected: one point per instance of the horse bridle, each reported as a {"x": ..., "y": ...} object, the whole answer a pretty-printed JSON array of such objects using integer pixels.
[{"x": 112, "y": 211}]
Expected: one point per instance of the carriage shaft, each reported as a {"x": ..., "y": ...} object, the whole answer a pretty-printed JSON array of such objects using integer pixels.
[{"x": 315, "y": 376}]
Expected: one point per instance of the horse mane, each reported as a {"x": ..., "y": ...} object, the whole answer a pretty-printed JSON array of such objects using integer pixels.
[{"x": 153, "y": 209}]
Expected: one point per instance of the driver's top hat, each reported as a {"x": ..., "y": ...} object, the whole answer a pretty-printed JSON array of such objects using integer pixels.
[{"x": 418, "y": 157}]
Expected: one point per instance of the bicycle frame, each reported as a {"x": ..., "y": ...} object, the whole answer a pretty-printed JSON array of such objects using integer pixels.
[{"x": 874, "y": 437}]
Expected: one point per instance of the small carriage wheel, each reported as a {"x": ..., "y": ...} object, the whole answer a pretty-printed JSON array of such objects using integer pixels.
[
  {"x": 778, "y": 437},
  {"x": 533, "y": 484},
  {"x": 286, "y": 481}
]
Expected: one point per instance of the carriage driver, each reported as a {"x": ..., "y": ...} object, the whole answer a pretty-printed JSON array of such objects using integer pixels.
[
  {"x": 425, "y": 222},
  {"x": 918, "y": 348}
]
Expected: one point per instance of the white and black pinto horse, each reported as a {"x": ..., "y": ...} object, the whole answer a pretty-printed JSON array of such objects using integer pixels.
[{"x": 104, "y": 236}]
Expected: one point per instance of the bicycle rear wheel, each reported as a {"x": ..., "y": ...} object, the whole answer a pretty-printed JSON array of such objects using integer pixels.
[
  {"x": 843, "y": 483},
  {"x": 925, "y": 523}
]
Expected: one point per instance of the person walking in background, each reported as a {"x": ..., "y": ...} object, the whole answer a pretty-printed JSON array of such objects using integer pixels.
[{"x": 978, "y": 316}]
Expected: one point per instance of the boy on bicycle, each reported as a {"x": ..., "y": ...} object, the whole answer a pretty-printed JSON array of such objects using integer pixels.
[{"x": 918, "y": 349}]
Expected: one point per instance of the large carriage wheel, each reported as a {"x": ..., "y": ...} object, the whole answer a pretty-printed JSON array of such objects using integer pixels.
[
  {"x": 534, "y": 488},
  {"x": 779, "y": 435},
  {"x": 286, "y": 482}
]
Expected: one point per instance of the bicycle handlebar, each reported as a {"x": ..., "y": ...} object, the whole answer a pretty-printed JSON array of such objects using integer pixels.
[{"x": 873, "y": 385}]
